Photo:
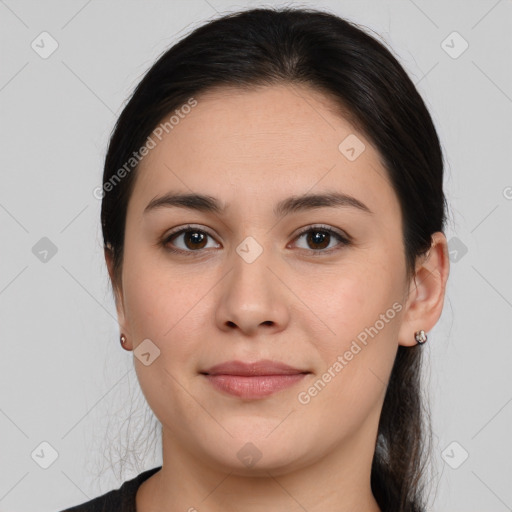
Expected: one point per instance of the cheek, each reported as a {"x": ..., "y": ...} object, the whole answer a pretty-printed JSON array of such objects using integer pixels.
[
  {"x": 350, "y": 300},
  {"x": 151, "y": 304},
  {"x": 357, "y": 359},
  {"x": 168, "y": 311},
  {"x": 360, "y": 313},
  {"x": 165, "y": 305}
]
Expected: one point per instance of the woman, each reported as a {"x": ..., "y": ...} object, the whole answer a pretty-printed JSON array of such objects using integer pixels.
[{"x": 273, "y": 216}]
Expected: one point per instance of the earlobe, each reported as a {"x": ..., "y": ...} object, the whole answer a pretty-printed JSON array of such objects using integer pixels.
[{"x": 426, "y": 292}]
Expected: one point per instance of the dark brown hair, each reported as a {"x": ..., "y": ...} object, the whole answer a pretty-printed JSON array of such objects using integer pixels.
[{"x": 261, "y": 47}]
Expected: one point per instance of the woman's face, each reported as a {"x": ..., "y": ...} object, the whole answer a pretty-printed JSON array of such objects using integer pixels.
[{"x": 248, "y": 283}]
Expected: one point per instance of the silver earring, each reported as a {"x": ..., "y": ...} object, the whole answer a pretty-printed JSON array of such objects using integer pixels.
[{"x": 420, "y": 337}]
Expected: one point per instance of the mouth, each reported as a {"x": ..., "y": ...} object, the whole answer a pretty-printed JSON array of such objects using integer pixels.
[
  {"x": 253, "y": 380},
  {"x": 258, "y": 368}
]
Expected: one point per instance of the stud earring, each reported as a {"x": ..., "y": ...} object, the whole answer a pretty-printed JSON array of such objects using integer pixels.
[
  {"x": 122, "y": 339},
  {"x": 420, "y": 337}
]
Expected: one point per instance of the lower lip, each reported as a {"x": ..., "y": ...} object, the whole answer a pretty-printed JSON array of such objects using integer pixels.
[{"x": 252, "y": 387}]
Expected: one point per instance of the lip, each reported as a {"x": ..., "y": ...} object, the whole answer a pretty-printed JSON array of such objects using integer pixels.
[
  {"x": 254, "y": 387},
  {"x": 261, "y": 367},
  {"x": 253, "y": 380}
]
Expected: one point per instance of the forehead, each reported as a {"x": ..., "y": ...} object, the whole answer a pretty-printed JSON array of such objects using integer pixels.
[{"x": 270, "y": 142}]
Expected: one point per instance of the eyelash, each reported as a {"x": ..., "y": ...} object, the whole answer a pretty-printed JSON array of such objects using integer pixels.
[{"x": 344, "y": 240}]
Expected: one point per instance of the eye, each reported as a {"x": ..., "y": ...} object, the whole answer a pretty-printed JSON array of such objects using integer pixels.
[
  {"x": 320, "y": 237},
  {"x": 193, "y": 239}
]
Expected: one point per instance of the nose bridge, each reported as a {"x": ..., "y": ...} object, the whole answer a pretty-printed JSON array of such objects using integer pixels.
[
  {"x": 250, "y": 273},
  {"x": 252, "y": 296}
]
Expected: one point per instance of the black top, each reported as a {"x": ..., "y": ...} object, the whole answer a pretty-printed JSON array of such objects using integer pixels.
[{"x": 117, "y": 500}]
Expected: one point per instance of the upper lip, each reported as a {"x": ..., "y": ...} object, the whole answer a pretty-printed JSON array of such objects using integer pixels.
[{"x": 262, "y": 367}]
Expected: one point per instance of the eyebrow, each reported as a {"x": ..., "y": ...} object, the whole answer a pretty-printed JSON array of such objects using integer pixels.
[{"x": 287, "y": 206}]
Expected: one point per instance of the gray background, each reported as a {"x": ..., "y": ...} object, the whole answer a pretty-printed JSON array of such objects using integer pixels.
[{"x": 65, "y": 379}]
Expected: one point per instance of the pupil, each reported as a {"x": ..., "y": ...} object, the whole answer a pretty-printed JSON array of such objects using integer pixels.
[
  {"x": 195, "y": 237},
  {"x": 319, "y": 239}
]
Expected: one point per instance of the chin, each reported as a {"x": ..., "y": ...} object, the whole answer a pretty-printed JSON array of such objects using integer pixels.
[{"x": 250, "y": 456}]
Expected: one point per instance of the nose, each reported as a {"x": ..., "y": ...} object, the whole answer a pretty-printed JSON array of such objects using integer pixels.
[{"x": 253, "y": 298}]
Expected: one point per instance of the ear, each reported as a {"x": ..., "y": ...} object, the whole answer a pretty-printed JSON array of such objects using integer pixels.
[
  {"x": 425, "y": 299},
  {"x": 118, "y": 296}
]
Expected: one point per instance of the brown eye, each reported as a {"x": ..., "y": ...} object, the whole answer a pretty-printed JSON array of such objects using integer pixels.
[
  {"x": 194, "y": 239},
  {"x": 185, "y": 240},
  {"x": 318, "y": 239}
]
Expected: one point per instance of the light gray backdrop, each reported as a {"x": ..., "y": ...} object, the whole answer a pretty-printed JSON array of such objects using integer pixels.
[{"x": 67, "y": 387}]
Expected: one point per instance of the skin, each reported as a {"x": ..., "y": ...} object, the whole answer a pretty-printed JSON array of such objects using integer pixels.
[{"x": 292, "y": 304}]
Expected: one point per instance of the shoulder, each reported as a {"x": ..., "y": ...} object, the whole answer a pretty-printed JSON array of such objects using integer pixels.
[{"x": 117, "y": 500}]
